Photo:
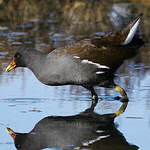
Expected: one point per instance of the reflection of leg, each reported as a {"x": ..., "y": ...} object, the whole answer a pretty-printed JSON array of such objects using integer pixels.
[
  {"x": 93, "y": 93},
  {"x": 121, "y": 109},
  {"x": 91, "y": 108},
  {"x": 122, "y": 92}
]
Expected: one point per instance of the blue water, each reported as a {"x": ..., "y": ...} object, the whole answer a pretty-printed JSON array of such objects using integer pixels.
[{"x": 24, "y": 101}]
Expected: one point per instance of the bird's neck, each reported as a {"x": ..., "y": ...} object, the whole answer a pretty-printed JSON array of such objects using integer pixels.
[{"x": 35, "y": 61}]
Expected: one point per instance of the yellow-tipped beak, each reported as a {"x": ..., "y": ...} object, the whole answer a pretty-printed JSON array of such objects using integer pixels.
[
  {"x": 11, "y": 66},
  {"x": 11, "y": 133}
]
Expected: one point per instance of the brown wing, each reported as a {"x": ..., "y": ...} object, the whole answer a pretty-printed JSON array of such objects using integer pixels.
[
  {"x": 111, "y": 39},
  {"x": 110, "y": 56},
  {"x": 109, "y": 50}
]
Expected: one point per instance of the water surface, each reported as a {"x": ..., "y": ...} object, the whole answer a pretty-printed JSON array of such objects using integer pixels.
[{"x": 46, "y": 25}]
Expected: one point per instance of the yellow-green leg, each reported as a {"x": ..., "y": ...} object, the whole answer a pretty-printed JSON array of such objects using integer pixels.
[
  {"x": 93, "y": 93},
  {"x": 91, "y": 108},
  {"x": 121, "y": 109},
  {"x": 94, "y": 97},
  {"x": 122, "y": 92}
]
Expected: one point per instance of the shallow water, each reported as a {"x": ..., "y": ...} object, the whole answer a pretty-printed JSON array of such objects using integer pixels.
[{"x": 24, "y": 100}]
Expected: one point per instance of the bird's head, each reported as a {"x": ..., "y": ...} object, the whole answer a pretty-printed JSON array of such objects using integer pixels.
[
  {"x": 19, "y": 138},
  {"x": 17, "y": 61}
]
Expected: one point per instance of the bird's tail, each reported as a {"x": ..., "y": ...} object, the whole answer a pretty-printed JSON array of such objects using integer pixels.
[
  {"x": 121, "y": 37},
  {"x": 129, "y": 32}
]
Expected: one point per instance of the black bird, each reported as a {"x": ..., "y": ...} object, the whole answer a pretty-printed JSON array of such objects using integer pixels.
[
  {"x": 85, "y": 130},
  {"x": 88, "y": 63}
]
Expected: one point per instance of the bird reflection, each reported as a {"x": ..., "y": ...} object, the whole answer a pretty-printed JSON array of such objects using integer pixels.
[{"x": 87, "y": 130}]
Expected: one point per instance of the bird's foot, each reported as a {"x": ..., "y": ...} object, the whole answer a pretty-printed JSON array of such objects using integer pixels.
[{"x": 124, "y": 97}]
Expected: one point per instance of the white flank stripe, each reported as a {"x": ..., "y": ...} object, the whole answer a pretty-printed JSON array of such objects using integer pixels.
[
  {"x": 96, "y": 64},
  {"x": 103, "y": 47},
  {"x": 97, "y": 139},
  {"x": 76, "y": 57},
  {"x": 99, "y": 131},
  {"x": 131, "y": 33},
  {"x": 77, "y": 148},
  {"x": 99, "y": 72}
]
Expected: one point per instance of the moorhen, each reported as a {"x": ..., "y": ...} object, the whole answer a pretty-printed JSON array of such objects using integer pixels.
[
  {"x": 88, "y": 63},
  {"x": 84, "y": 130}
]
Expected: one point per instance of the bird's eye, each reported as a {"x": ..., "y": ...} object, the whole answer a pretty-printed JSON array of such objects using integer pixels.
[
  {"x": 17, "y": 55},
  {"x": 18, "y": 146}
]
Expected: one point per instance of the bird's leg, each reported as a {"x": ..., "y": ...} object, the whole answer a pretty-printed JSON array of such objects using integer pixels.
[
  {"x": 122, "y": 92},
  {"x": 121, "y": 109},
  {"x": 91, "y": 108},
  {"x": 94, "y": 96}
]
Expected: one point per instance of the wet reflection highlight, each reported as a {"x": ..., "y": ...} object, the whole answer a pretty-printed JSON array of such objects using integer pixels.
[{"x": 85, "y": 130}]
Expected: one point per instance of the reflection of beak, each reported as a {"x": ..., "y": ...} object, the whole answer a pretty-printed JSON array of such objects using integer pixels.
[
  {"x": 12, "y": 133},
  {"x": 11, "y": 66}
]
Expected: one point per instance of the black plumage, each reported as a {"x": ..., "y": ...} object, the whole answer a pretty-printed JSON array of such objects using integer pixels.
[
  {"x": 89, "y": 63},
  {"x": 87, "y": 130}
]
